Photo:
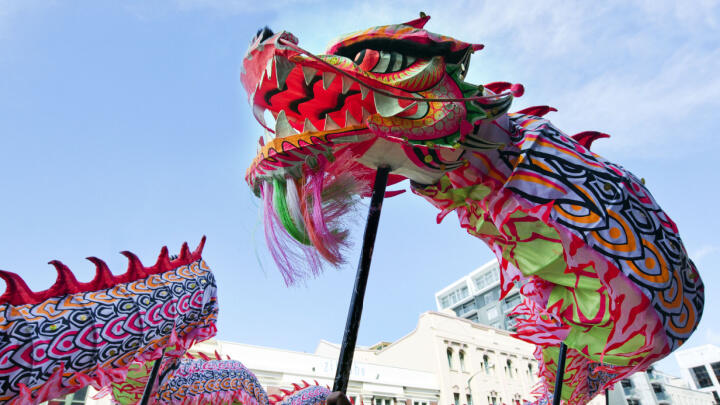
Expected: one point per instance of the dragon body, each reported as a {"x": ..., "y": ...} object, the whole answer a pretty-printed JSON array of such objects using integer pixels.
[{"x": 601, "y": 266}]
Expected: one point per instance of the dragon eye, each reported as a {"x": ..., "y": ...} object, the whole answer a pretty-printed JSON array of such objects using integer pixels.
[{"x": 371, "y": 60}]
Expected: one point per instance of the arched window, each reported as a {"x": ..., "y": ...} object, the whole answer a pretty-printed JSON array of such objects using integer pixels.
[
  {"x": 530, "y": 369},
  {"x": 461, "y": 355},
  {"x": 450, "y": 358},
  {"x": 509, "y": 368},
  {"x": 486, "y": 364}
]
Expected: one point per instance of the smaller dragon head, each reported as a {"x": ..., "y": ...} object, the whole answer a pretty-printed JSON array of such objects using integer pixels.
[{"x": 392, "y": 96}]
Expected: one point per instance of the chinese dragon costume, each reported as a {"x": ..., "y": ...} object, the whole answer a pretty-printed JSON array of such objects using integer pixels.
[
  {"x": 74, "y": 334},
  {"x": 600, "y": 265}
]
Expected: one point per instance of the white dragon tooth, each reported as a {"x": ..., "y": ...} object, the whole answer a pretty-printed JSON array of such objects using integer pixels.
[
  {"x": 309, "y": 74},
  {"x": 349, "y": 119},
  {"x": 259, "y": 113},
  {"x": 388, "y": 106},
  {"x": 365, "y": 114},
  {"x": 363, "y": 92},
  {"x": 283, "y": 67},
  {"x": 282, "y": 126},
  {"x": 327, "y": 78},
  {"x": 346, "y": 83},
  {"x": 330, "y": 124},
  {"x": 308, "y": 126},
  {"x": 269, "y": 136},
  {"x": 268, "y": 68}
]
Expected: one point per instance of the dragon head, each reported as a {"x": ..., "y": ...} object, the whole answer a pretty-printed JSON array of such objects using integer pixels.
[{"x": 387, "y": 96}]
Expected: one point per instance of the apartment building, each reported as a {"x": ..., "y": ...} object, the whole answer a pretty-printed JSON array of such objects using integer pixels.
[{"x": 476, "y": 297}]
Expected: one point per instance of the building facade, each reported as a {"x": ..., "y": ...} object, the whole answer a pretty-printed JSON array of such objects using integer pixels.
[
  {"x": 477, "y": 297},
  {"x": 701, "y": 368}
]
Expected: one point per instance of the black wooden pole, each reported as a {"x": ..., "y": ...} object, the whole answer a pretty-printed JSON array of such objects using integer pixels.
[
  {"x": 560, "y": 374},
  {"x": 347, "y": 350},
  {"x": 607, "y": 396},
  {"x": 151, "y": 380}
]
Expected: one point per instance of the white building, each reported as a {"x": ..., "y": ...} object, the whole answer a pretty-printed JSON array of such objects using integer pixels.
[
  {"x": 373, "y": 383},
  {"x": 701, "y": 368},
  {"x": 477, "y": 297}
]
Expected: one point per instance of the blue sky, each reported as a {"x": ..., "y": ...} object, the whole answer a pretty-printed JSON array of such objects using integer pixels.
[{"x": 123, "y": 126}]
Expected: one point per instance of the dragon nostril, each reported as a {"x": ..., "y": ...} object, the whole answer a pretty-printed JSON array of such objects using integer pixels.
[{"x": 264, "y": 33}]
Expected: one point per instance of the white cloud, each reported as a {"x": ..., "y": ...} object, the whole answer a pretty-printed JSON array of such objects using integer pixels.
[{"x": 703, "y": 252}]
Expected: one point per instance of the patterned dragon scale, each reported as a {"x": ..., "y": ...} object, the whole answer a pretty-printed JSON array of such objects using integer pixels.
[
  {"x": 600, "y": 265},
  {"x": 56, "y": 341}
]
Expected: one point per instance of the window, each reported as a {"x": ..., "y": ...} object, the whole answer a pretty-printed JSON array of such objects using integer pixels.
[
  {"x": 473, "y": 317},
  {"x": 492, "y": 400},
  {"x": 450, "y": 358},
  {"x": 511, "y": 302},
  {"x": 633, "y": 402},
  {"x": 489, "y": 297},
  {"x": 717, "y": 397},
  {"x": 486, "y": 364},
  {"x": 454, "y": 296},
  {"x": 77, "y": 398},
  {"x": 627, "y": 386},
  {"x": 383, "y": 401},
  {"x": 508, "y": 367},
  {"x": 492, "y": 313},
  {"x": 716, "y": 369},
  {"x": 420, "y": 403},
  {"x": 701, "y": 376},
  {"x": 465, "y": 308},
  {"x": 469, "y": 399},
  {"x": 461, "y": 356},
  {"x": 487, "y": 279},
  {"x": 530, "y": 369},
  {"x": 457, "y": 398}
]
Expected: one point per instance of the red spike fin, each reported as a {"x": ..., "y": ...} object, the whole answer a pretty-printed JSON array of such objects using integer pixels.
[
  {"x": 228, "y": 357},
  {"x": 217, "y": 355},
  {"x": 498, "y": 87},
  {"x": 286, "y": 392},
  {"x": 103, "y": 276},
  {"x": 588, "y": 137},
  {"x": 66, "y": 283},
  {"x": 538, "y": 110},
  {"x": 163, "y": 262},
  {"x": 305, "y": 383},
  {"x": 185, "y": 253},
  {"x": 419, "y": 22},
  {"x": 296, "y": 387},
  {"x": 316, "y": 382},
  {"x": 197, "y": 254},
  {"x": 17, "y": 291},
  {"x": 136, "y": 270},
  {"x": 203, "y": 356}
]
